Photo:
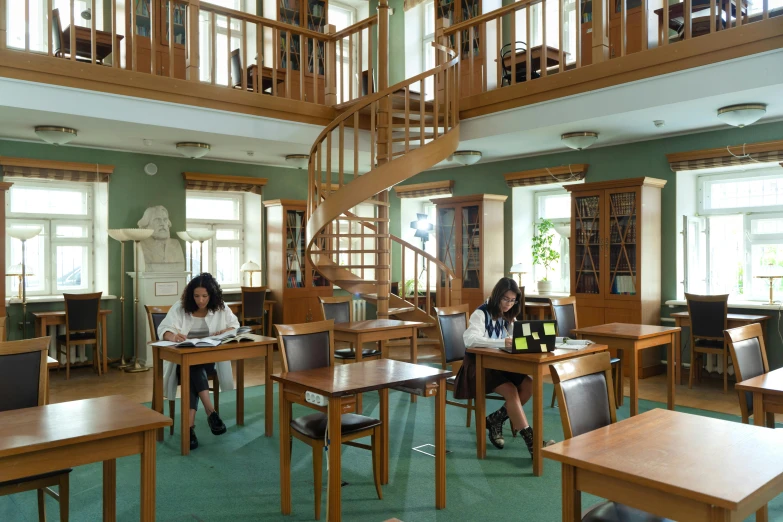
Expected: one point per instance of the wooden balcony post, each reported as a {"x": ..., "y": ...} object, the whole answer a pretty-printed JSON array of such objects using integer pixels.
[
  {"x": 600, "y": 31},
  {"x": 383, "y": 44},
  {"x": 3, "y": 34},
  {"x": 191, "y": 64},
  {"x": 383, "y": 261},
  {"x": 331, "y": 66}
]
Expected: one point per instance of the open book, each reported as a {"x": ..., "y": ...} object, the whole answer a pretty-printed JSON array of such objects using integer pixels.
[
  {"x": 232, "y": 336},
  {"x": 564, "y": 343}
]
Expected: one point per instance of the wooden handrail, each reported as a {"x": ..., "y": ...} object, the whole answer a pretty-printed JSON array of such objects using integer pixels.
[
  {"x": 488, "y": 17},
  {"x": 266, "y": 22},
  {"x": 355, "y": 28}
]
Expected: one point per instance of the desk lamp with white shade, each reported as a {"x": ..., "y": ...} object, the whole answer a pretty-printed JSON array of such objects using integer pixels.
[
  {"x": 136, "y": 235},
  {"x": 118, "y": 234},
  {"x": 184, "y": 236},
  {"x": 24, "y": 233},
  {"x": 250, "y": 267},
  {"x": 518, "y": 269},
  {"x": 201, "y": 235}
]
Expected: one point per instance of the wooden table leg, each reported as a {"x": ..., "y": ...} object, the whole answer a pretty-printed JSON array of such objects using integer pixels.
[
  {"x": 148, "y": 477},
  {"x": 284, "y": 416},
  {"x": 109, "y": 490},
  {"x": 40, "y": 327},
  {"x": 633, "y": 373},
  {"x": 105, "y": 343},
  {"x": 335, "y": 452},
  {"x": 759, "y": 419},
  {"x": 358, "y": 350},
  {"x": 678, "y": 351},
  {"x": 440, "y": 446},
  {"x": 572, "y": 497},
  {"x": 268, "y": 392},
  {"x": 670, "y": 374},
  {"x": 481, "y": 406},
  {"x": 414, "y": 354},
  {"x": 719, "y": 514},
  {"x": 538, "y": 420},
  {"x": 157, "y": 386},
  {"x": 240, "y": 392},
  {"x": 184, "y": 385},
  {"x": 384, "y": 396},
  {"x": 762, "y": 514},
  {"x": 621, "y": 398}
]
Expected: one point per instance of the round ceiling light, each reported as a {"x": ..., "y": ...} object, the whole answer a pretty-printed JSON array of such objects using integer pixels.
[
  {"x": 298, "y": 161},
  {"x": 54, "y": 134},
  {"x": 191, "y": 149},
  {"x": 579, "y": 140},
  {"x": 742, "y": 114},
  {"x": 467, "y": 157}
]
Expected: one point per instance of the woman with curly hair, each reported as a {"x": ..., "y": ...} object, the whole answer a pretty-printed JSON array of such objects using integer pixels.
[{"x": 200, "y": 312}]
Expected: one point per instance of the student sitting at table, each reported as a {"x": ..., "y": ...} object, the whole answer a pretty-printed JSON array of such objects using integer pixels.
[
  {"x": 490, "y": 325},
  {"x": 200, "y": 312}
]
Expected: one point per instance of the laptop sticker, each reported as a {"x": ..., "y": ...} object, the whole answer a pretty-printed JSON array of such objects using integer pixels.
[
  {"x": 535, "y": 336},
  {"x": 549, "y": 328},
  {"x": 525, "y": 329},
  {"x": 520, "y": 343}
]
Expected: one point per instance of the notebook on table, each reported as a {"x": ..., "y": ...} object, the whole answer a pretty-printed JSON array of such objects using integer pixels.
[{"x": 533, "y": 337}]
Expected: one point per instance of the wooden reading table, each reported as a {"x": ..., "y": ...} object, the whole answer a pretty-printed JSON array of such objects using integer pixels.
[
  {"x": 43, "y": 320},
  {"x": 674, "y": 465},
  {"x": 534, "y": 365},
  {"x": 341, "y": 384},
  {"x": 629, "y": 340},
  {"x": 767, "y": 391},
  {"x": 56, "y": 436},
  {"x": 186, "y": 357},
  {"x": 83, "y": 39}
]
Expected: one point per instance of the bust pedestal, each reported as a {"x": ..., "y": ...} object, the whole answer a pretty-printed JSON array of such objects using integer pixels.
[{"x": 155, "y": 288}]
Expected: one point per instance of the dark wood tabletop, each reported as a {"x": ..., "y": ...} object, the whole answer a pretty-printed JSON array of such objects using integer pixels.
[
  {"x": 769, "y": 383},
  {"x": 376, "y": 324},
  {"x": 627, "y": 331},
  {"x": 751, "y": 318},
  {"x": 540, "y": 358},
  {"x": 359, "y": 377}
]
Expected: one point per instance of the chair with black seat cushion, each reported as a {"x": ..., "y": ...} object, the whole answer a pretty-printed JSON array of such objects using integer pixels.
[
  {"x": 586, "y": 395},
  {"x": 510, "y": 50},
  {"x": 253, "y": 298},
  {"x": 341, "y": 311},
  {"x": 746, "y": 345},
  {"x": 708, "y": 315},
  {"x": 23, "y": 382},
  {"x": 306, "y": 347},
  {"x": 155, "y": 316},
  {"x": 564, "y": 314},
  {"x": 452, "y": 323},
  {"x": 82, "y": 312}
]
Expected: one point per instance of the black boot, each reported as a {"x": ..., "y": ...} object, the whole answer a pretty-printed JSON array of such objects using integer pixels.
[
  {"x": 193, "y": 438},
  {"x": 527, "y": 436},
  {"x": 495, "y": 426}
]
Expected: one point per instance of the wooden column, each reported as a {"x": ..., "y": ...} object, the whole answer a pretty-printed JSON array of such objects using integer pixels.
[
  {"x": 191, "y": 64},
  {"x": 4, "y": 186},
  {"x": 331, "y": 67},
  {"x": 383, "y": 275},
  {"x": 3, "y": 36},
  {"x": 600, "y": 31}
]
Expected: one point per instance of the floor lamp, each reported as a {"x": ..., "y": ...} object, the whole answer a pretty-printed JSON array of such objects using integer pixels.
[
  {"x": 23, "y": 234},
  {"x": 119, "y": 235},
  {"x": 201, "y": 235},
  {"x": 136, "y": 235},
  {"x": 184, "y": 236}
]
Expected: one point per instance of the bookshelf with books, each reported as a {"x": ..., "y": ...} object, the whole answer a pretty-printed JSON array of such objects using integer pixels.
[
  {"x": 633, "y": 27},
  {"x": 146, "y": 24},
  {"x": 312, "y": 15},
  {"x": 616, "y": 254},
  {"x": 292, "y": 280}
]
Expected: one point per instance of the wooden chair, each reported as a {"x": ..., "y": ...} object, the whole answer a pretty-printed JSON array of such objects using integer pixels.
[
  {"x": 709, "y": 315},
  {"x": 253, "y": 298},
  {"x": 2, "y": 329},
  {"x": 563, "y": 311},
  {"x": 585, "y": 391},
  {"x": 746, "y": 345},
  {"x": 24, "y": 379},
  {"x": 82, "y": 317},
  {"x": 340, "y": 310},
  {"x": 305, "y": 347},
  {"x": 155, "y": 315}
]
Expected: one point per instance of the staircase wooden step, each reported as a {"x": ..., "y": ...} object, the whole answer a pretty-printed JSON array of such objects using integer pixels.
[
  {"x": 368, "y": 219},
  {"x": 352, "y": 251},
  {"x": 413, "y": 139},
  {"x": 401, "y": 310},
  {"x": 427, "y": 126}
]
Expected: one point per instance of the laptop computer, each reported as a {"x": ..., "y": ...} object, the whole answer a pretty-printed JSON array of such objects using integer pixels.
[{"x": 533, "y": 337}]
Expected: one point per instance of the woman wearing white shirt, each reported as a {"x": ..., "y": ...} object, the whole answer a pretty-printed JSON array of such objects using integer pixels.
[
  {"x": 200, "y": 312},
  {"x": 490, "y": 325}
]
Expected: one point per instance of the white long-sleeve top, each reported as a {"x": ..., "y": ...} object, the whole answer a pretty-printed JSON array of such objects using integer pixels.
[
  {"x": 476, "y": 334},
  {"x": 180, "y": 321}
]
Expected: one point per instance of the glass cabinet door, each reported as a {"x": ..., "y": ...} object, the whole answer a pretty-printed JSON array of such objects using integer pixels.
[
  {"x": 447, "y": 241},
  {"x": 471, "y": 247},
  {"x": 294, "y": 249},
  {"x": 587, "y": 244},
  {"x": 623, "y": 208},
  {"x": 178, "y": 19},
  {"x": 142, "y": 15}
]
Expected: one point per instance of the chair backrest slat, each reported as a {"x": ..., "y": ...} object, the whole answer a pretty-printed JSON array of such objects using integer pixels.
[
  {"x": 23, "y": 373},
  {"x": 452, "y": 323},
  {"x": 306, "y": 346},
  {"x": 708, "y": 315}
]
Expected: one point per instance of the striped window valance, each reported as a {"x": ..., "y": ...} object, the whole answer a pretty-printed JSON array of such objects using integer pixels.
[
  {"x": 220, "y": 183},
  {"x": 55, "y": 170},
  {"x": 734, "y": 155},
  {"x": 419, "y": 190},
  {"x": 546, "y": 176}
]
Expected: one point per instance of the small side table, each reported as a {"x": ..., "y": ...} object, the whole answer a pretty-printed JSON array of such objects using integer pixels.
[{"x": 771, "y": 282}]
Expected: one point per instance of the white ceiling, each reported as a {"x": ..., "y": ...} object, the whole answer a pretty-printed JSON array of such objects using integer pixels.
[{"x": 686, "y": 101}]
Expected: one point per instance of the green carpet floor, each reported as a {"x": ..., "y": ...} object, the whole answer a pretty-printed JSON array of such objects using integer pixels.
[{"x": 234, "y": 477}]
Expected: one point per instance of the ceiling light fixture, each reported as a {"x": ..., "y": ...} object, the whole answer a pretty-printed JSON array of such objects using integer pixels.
[
  {"x": 55, "y": 135},
  {"x": 191, "y": 149},
  {"x": 467, "y": 157},
  {"x": 742, "y": 114},
  {"x": 579, "y": 140},
  {"x": 298, "y": 161}
]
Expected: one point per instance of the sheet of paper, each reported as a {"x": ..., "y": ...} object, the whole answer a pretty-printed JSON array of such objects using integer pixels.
[
  {"x": 525, "y": 329},
  {"x": 549, "y": 328},
  {"x": 535, "y": 335},
  {"x": 520, "y": 343}
]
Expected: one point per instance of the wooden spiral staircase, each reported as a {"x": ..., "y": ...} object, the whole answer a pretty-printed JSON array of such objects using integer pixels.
[{"x": 347, "y": 231}]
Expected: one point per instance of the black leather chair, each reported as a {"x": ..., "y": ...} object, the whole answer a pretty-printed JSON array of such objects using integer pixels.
[
  {"x": 586, "y": 395},
  {"x": 305, "y": 347},
  {"x": 746, "y": 345},
  {"x": 23, "y": 382},
  {"x": 521, "y": 72},
  {"x": 340, "y": 310},
  {"x": 82, "y": 312},
  {"x": 253, "y": 298},
  {"x": 708, "y": 315},
  {"x": 155, "y": 316}
]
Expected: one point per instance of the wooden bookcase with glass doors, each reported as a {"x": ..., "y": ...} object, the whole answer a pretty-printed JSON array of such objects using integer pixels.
[
  {"x": 616, "y": 255},
  {"x": 295, "y": 286},
  {"x": 313, "y": 15},
  {"x": 159, "y": 24},
  {"x": 469, "y": 234}
]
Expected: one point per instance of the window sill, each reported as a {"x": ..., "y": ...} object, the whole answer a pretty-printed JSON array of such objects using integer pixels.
[
  {"x": 747, "y": 305},
  {"x": 48, "y": 299}
]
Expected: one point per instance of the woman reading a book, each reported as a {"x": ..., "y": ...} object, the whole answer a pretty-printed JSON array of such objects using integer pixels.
[{"x": 199, "y": 313}]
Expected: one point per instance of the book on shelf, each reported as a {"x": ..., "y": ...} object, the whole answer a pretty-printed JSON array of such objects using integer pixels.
[{"x": 142, "y": 8}]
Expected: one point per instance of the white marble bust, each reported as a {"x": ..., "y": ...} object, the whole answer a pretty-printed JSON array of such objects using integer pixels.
[{"x": 160, "y": 253}]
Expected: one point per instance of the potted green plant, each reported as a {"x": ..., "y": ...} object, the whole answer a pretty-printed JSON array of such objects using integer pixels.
[
  {"x": 409, "y": 286},
  {"x": 543, "y": 253}
]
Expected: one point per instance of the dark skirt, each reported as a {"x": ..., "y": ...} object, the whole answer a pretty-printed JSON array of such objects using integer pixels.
[{"x": 465, "y": 382}]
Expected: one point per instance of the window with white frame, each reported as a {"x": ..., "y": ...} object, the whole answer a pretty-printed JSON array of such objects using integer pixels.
[
  {"x": 736, "y": 234},
  {"x": 343, "y": 16},
  {"x": 555, "y": 205},
  {"x": 221, "y": 40},
  {"x": 60, "y": 259},
  {"x": 222, "y": 256}
]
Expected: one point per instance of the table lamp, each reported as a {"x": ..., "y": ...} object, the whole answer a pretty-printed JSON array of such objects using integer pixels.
[
  {"x": 136, "y": 235},
  {"x": 201, "y": 235},
  {"x": 23, "y": 234},
  {"x": 250, "y": 267},
  {"x": 519, "y": 270},
  {"x": 16, "y": 271},
  {"x": 184, "y": 236},
  {"x": 118, "y": 234}
]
